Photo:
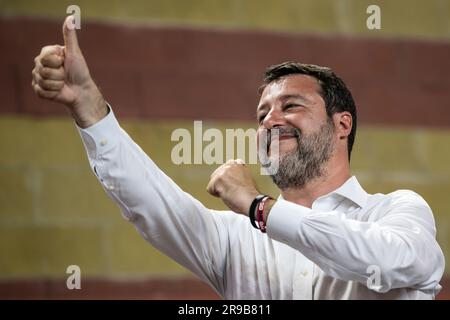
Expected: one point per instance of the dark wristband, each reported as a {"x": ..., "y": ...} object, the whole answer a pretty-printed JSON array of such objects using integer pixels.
[{"x": 251, "y": 213}]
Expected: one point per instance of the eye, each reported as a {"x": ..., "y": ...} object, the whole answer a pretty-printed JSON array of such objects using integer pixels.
[{"x": 290, "y": 106}]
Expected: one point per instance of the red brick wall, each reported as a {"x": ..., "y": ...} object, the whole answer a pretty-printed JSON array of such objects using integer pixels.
[
  {"x": 180, "y": 73},
  {"x": 108, "y": 289},
  {"x": 163, "y": 289}
]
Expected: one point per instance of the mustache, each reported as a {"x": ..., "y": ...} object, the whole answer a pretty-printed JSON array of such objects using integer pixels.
[
  {"x": 288, "y": 131},
  {"x": 281, "y": 131}
]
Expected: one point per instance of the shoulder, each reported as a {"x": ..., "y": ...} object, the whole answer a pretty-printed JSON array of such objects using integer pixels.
[
  {"x": 402, "y": 197},
  {"x": 406, "y": 204},
  {"x": 406, "y": 196}
]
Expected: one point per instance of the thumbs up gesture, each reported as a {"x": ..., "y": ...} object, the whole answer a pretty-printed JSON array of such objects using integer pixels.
[{"x": 62, "y": 75}]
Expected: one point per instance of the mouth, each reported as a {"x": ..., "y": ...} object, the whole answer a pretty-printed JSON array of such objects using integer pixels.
[
  {"x": 286, "y": 137},
  {"x": 281, "y": 138}
]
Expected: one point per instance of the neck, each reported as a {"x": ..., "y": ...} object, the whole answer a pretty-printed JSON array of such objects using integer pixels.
[{"x": 336, "y": 173}]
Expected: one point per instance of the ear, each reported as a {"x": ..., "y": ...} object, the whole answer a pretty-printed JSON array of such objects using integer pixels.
[{"x": 343, "y": 123}]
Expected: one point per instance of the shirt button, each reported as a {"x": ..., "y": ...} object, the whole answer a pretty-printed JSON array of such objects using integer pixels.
[
  {"x": 305, "y": 273},
  {"x": 103, "y": 142},
  {"x": 110, "y": 187}
]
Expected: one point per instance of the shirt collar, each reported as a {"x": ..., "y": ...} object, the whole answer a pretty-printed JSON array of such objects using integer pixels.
[{"x": 353, "y": 191}]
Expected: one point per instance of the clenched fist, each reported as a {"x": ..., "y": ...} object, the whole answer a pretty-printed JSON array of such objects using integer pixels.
[
  {"x": 62, "y": 75},
  {"x": 233, "y": 183}
]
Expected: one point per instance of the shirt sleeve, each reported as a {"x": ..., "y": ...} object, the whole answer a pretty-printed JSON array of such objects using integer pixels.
[
  {"x": 170, "y": 219},
  {"x": 397, "y": 250}
]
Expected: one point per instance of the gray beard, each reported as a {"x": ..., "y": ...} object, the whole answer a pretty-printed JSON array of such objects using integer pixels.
[{"x": 306, "y": 162}]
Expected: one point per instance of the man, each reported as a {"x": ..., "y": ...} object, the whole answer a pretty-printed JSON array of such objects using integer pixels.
[{"x": 323, "y": 238}]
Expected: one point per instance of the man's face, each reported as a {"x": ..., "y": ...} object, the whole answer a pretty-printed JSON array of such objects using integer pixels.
[{"x": 294, "y": 106}]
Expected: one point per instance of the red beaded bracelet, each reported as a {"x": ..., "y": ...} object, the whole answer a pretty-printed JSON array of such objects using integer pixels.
[{"x": 260, "y": 214}]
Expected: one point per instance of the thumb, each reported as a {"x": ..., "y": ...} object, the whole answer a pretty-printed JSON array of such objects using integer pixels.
[{"x": 70, "y": 35}]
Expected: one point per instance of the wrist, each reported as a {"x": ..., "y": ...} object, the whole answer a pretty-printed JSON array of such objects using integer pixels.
[
  {"x": 269, "y": 204},
  {"x": 249, "y": 201},
  {"x": 259, "y": 209},
  {"x": 90, "y": 108}
]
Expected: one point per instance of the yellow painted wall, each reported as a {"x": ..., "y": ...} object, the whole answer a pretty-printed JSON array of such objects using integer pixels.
[{"x": 400, "y": 18}]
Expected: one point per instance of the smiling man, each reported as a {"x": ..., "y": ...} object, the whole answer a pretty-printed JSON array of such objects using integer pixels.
[{"x": 324, "y": 237}]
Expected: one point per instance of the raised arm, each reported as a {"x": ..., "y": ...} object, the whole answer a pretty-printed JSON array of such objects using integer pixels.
[{"x": 170, "y": 219}]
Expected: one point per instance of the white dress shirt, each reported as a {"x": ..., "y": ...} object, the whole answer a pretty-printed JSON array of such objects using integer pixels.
[{"x": 349, "y": 245}]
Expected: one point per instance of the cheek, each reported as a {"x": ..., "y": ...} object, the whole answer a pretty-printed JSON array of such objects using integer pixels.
[
  {"x": 306, "y": 122},
  {"x": 287, "y": 145},
  {"x": 298, "y": 122}
]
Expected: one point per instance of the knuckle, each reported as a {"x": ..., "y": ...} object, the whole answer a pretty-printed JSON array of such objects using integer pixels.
[
  {"x": 43, "y": 94},
  {"x": 40, "y": 92},
  {"x": 44, "y": 85},
  {"x": 39, "y": 80},
  {"x": 45, "y": 72},
  {"x": 59, "y": 85},
  {"x": 51, "y": 60},
  {"x": 47, "y": 58},
  {"x": 218, "y": 190},
  {"x": 49, "y": 84},
  {"x": 48, "y": 48}
]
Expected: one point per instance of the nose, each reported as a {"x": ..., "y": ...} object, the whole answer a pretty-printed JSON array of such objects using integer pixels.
[{"x": 273, "y": 119}]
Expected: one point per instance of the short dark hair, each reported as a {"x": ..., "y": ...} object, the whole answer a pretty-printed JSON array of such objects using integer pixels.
[{"x": 334, "y": 92}]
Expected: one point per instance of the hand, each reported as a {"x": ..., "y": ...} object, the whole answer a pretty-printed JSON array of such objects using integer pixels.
[
  {"x": 233, "y": 183},
  {"x": 62, "y": 75}
]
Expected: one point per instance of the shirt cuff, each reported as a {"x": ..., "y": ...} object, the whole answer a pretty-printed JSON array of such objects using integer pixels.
[
  {"x": 284, "y": 220},
  {"x": 102, "y": 136}
]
